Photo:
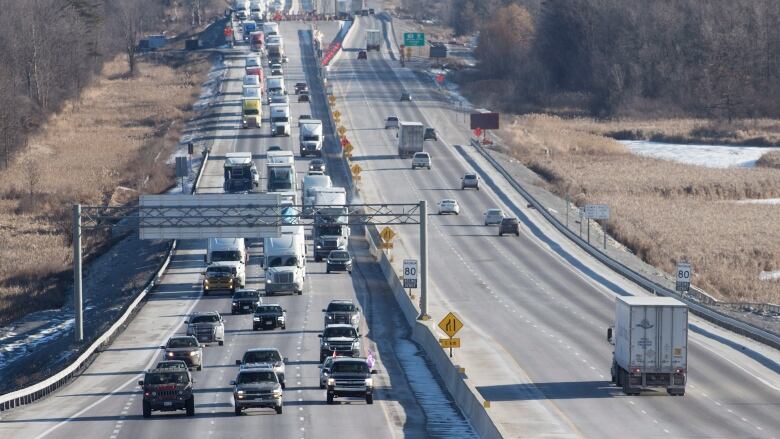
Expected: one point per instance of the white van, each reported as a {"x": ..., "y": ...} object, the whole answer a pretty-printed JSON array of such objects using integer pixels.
[
  {"x": 284, "y": 262},
  {"x": 230, "y": 250}
]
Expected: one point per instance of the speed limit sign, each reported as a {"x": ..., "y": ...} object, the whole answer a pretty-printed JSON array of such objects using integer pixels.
[
  {"x": 410, "y": 273},
  {"x": 684, "y": 274}
]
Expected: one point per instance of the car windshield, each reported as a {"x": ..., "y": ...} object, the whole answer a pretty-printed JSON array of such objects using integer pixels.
[
  {"x": 269, "y": 310},
  {"x": 251, "y": 112},
  {"x": 350, "y": 367},
  {"x": 283, "y": 261},
  {"x": 226, "y": 255},
  {"x": 494, "y": 212},
  {"x": 392, "y": 119},
  {"x": 210, "y": 318},
  {"x": 470, "y": 177},
  {"x": 339, "y": 255},
  {"x": 171, "y": 365},
  {"x": 340, "y": 332},
  {"x": 509, "y": 221},
  {"x": 257, "y": 377},
  {"x": 182, "y": 342},
  {"x": 448, "y": 202},
  {"x": 262, "y": 357},
  {"x": 247, "y": 294},
  {"x": 166, "y": 378},
  {"x": 341, "y": 307}
]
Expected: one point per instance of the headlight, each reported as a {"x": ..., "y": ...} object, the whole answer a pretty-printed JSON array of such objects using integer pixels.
[
  {"x": 319, "y": 246},
  {"x": 170, "y": 354},
  {"x": 239, "y": 392},
  {"x": 280, "y": 318},
  {"x": 206, "y": 282},
  {"x": 331, "y": 381},
  {"x": 154, "y": 393},
  {"x": 235, "y": 303},
  {"x": 268, "y": 281},
  {"x": 277, "y": 393},
  {"x": 256, "y": 319},
  {"x": 194, "y": 353},
  {"x": 369, "y": 382},
  {"x": 355, "y": 343},
  {"x": 329, "y": 317},
  {"x": 354, "y": 319}
]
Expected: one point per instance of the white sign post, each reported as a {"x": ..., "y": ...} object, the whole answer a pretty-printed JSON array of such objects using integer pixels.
[
  {"x": 410, "y": 274},
  {"x": 684, "y": 274},
  {"x": 597, "y": 212}
]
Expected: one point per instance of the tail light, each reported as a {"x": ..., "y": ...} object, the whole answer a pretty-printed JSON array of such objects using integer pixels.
[
  {"x": 680, "y": 371},
  {"x": 636, "y": 370}
]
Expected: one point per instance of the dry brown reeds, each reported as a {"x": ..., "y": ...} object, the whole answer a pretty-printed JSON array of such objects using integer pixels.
[
  {"x": 118, "y": 134},
  {"x": 664, "y": 211}
]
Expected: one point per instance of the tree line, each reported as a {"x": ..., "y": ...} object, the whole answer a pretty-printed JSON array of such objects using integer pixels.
[
  {"x": 714, "y": 58},
  {"x": 50, "y": 50}
]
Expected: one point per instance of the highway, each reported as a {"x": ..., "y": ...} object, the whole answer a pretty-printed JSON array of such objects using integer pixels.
[
  {"x": 536, "y": 308},
  {"x": 105, "y": 401}
]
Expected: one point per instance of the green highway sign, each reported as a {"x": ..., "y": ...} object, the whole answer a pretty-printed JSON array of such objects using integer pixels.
[{"x": 414, "y": 39}]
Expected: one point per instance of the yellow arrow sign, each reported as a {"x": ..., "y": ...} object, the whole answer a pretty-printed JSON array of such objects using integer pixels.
[
  {"x": 450, "y": 324},
  {"x": 341, "y": 130},
  {"x": 337, "y": 119},
  {"x": 387, "y": 234},
  {"x": 332, "y": 99},
  {"x": 356, "y": 169},
  {"x": 337, "y": 114},
  {"x": 449, "y": 342},
  {"x": 348, "y": 149}
]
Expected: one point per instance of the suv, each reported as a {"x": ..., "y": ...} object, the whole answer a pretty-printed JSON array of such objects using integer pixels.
[
  {"x": 317, "y": 165},
  {"x": 341, "y": 311},
  {"x": 362, "y": 54},
  {"x": 421, "y": 160},
  {"x": 301, "y": 87},
  {"x": 430, "y": 134},
  {"x": 185, "y": 348},
  {"x": 245, "y": 301},
  {"x": 493, "y": 216},
  {"x": 391, "y": 122},
  {"x": 207, "y": 327},
  {"x": 257, "y": 387},
  {"x": 167, "y": 390},
  {"x": 221, "y": 275},
  {"x": 339, "y": 260},
  {"x": 304, "y": 96},
  {"x": 469, "y": 180},
  {"x": 269, "y": 316},
  {"x": 350, "y": 377},
  {"x": 265, "y": 357},
  {"x": 339, "y": 339},
  {"x": 509, "y": 225}
]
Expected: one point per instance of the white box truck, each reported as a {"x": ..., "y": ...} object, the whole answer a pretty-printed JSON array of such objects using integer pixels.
[
  {"x": 651, "y": 344},
  {"x": 310, "y": 136},
  {"x": 410, "y": 138},
  {"x": 310, "y": 184},
  {"x": 373, "y": 40}
]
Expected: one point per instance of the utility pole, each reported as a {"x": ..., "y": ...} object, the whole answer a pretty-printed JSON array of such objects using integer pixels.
[
  {"x": 78, "y": 327},
  {"x": 424, "y": 261}
]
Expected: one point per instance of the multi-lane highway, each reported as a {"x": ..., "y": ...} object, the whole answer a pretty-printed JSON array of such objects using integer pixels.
[
  {"x": 105, "y": 401},
  {"x": 536, "y": 308}
]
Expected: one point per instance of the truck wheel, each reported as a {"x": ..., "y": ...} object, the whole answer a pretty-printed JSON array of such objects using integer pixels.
[
  {"x": 200, "y": 367},
  {"x": 238, "y": 411},
  {"x": 205, "y": 293},
  {"x": 322, "y": 386},
  {"x": 284, "y": 326},
  {"x": 500, "y": 233},
  {"x": 284, "y": 385},
  {"x": 330, "y": 398},
  {"x": 279, "y": 410},
  {"x": 327, "y": 270},
  {"x": 222, "y": 343},
  {"x": 190, "y": 406},
  {"x": 369, "y": 399},
  {"x": 147, "y": 409}
]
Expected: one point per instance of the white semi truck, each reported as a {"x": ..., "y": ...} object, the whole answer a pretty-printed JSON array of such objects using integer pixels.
[
  {"x": 284, "y": 262},
  {"x": 373, "y": 40},
  {"x": 280, "y": 119},
  {"x": 330, "y": 230},
  {"x": 410, "y": 138},
  {"x": 310, "y": 184},
  {"x": 310, "y": 136},
  {"x": 651, "y": 344}
]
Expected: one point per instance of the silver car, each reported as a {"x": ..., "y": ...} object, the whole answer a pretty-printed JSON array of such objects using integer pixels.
[{"x": 493, "y": 216}]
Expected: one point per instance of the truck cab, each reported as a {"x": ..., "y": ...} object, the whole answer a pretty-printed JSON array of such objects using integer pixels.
[
  {"x": 280, "y": 177},
  {"x": 251, "y": 112},
  {"x": 373, "y": 39},
  {"x": 280, "y": 119},
  {"x": 206, "y": 327},
  {"x": 240, "y": 173},
  {"x": 330, "y": 230},
  {"x": 410, "y": 138},
  {"x": 310, "y": 137},
  {"x": 284, "y": 262}
]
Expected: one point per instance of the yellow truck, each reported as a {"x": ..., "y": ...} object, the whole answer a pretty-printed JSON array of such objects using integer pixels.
[{"x": 251, "y": 112}]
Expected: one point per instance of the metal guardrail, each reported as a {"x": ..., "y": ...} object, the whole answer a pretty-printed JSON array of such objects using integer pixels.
[
  {"x": 723, "y": 320},
  {"x": 39, "y": 390}
]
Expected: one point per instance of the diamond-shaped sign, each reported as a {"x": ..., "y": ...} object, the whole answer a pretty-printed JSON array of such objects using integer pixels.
[
  {"x": 337, "y": 114},
  {"x": 387, "y": 233},
  {"x": 450, "y": 324},
  {"x": 341, "y": 130},
  {"x": 356, "y": 169}
]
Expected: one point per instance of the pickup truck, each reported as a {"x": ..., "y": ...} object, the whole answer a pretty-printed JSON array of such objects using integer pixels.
[
  {"x": 167, "y": 390},
  {"x": 350, "y": 377},
  {"x": 206, "y": 327},
  {"x": 339, "y": 339}
]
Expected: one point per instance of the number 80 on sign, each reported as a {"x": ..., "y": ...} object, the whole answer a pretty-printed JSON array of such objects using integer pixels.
[{"x": 410, "y": 273}]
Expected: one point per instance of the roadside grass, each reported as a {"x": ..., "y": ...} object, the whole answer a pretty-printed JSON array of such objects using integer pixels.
[
  {"x": 107, "y": 146},
  {"x": 662, "y": 210},
  {"x": 769, "y": 160}
]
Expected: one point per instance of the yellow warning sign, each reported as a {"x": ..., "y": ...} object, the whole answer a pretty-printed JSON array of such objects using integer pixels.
[
  {"x": 356, "y": 169},
  {"x": 387, "y": 233},
  {"x": 341, "y": 130},
  {"x": 450, "y": 324},
  {"x": 348, "y": 148},
  {"x": 449, "y": 342},
  {"x": 337, "y": 114},
  {"x": 332, "y": 99}
]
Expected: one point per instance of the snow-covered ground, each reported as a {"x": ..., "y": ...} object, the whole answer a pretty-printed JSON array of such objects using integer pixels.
[
  {"x": 711, "y": 156},
  {"x": 774, "y": 201}
]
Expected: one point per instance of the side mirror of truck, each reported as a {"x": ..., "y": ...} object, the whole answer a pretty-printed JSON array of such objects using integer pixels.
[
  {"x": 609, "y": 335},
  {"x": 373, "y": 372},
  {"x": 186, "y": 322},
  {"x": 162, "y": 347},
  {"x": 284, "y": 360},
  {"x": 324, "y": 310},
  {"x": 319, "y": 335},
  {"x": 232, "y": 382},
  {"x": 141, "y": 382},
  {"x": 238, "y": 362}
]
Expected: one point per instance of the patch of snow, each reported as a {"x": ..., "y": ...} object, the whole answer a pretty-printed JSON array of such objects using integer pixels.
[
  {"x": 711, "y": 156},
  {"x": 773, "y": 201},
  {"x": 443, "y": 419},
  {"x": 769, "y": 275}
]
